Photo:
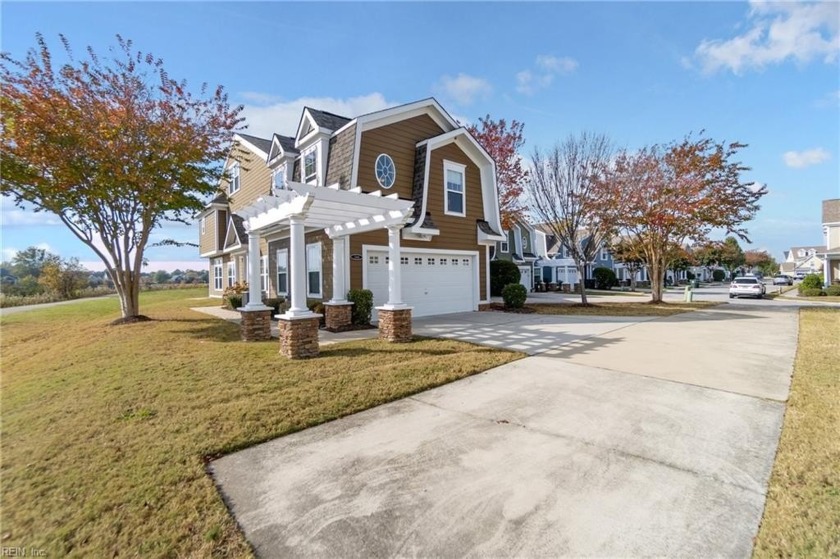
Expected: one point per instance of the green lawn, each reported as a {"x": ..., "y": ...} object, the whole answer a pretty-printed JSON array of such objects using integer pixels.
[
  {"x": 106, "y": 430},
  {"x": 802, "y": 514}
]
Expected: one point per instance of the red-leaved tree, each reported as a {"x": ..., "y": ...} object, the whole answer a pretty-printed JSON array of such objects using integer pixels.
[
  {"x": 503, "y": 142},
  {"x": 113, "y": 146},
  {"x": 664, "y": 196}
]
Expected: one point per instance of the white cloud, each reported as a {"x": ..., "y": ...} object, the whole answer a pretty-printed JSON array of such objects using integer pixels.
[
  {"x": 463, "y": 89},
  {"x": 266, "y": 114},
  {"x": 154, "y": 265},
  {"x": 12, "y": 216},
  {"x": 10, "y": 252},
  {"x": 800, "y": 159},
  {"x": 779, "y": 31},
  {"x": 547, "y": 67}
]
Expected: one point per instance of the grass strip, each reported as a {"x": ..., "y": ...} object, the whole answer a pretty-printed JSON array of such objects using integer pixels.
[{"x": 802, "y": 513}]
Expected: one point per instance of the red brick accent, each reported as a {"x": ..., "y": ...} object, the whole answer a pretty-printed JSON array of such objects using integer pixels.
[
  {"x": 484, "y": 306},
  {"x": 338, "y": 316},
  {"x": 255, "y": 326},
  {"x": 394, "y": 324},
  {"x": 299, "y": 337}
]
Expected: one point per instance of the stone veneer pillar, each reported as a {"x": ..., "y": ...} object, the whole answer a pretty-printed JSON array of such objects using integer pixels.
[
  {"x": 338, "y": 316},
  {"x": 299, "y": 336},
  {"x": 394, "y": 324},
  {"x": 255, "y": 325}
]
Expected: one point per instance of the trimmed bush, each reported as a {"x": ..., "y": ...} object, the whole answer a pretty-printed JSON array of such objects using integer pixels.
[
  {"x": 718, "y": 275},
  {"x": 275, "y": 303},
  {"x": 604, "y": 278},
  {"x": 811, "y": 281},
  {"x": 362, "y": 300},
  {"x": 514, "y": 295},
  {"x": 833, "y": 290},
  {"x": 811, "y": 291},
  {"x": 502, "y": 273}
]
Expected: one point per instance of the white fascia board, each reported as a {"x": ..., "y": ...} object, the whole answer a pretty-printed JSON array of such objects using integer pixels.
[{"x": 251, "y": 146}]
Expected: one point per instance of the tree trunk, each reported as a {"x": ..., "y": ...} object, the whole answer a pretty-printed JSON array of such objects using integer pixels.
[
  {"x": 581, "y": 269},
  {"x": 657, "y": 273},
  {"x": 127, "y": 285}
]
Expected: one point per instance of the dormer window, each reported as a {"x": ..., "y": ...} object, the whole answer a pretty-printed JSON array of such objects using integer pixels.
[
  {"x": 454, "y": 182},
  {"x": 278, "y": 178},
  {"x": 503, "y": 247},
  {"x": 310, "y": 165},
  {"x": 233, "y": 170}
]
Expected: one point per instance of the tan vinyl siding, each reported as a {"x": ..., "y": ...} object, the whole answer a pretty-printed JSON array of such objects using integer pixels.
[
  {"x": 833, "y": 237},
  {"x": 397, "y": 140},
  {"x": 206, "y": 241},
  {"x": 254, "y": 179},
  {"x": 340, "y": 162}
]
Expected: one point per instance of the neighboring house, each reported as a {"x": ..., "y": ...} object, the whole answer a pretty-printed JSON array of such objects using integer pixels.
[
  {"x": 335, "y": 169},
  {"x": 831, "y": 233},
  {"x": 559, "y": 267},
  {"x": 523, "y": 245},
  {"x": 802, "y": 260}
]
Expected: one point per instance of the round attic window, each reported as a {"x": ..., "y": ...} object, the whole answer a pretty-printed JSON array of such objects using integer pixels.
[{"x": 386, "y": 171}]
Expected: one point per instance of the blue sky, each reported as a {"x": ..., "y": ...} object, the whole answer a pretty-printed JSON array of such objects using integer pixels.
[{"x": 764, "y": 74}]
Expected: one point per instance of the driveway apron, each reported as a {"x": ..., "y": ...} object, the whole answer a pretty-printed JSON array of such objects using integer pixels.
[{"x": 617, "y": 437}]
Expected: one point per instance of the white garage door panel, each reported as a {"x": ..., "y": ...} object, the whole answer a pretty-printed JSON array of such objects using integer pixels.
[{"x": 432, "y": 283}]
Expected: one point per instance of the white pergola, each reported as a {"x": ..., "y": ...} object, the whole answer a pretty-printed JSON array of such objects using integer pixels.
[{"x": 339, "y": 213}]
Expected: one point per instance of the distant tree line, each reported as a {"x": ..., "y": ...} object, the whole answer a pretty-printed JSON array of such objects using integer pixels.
[{"x": 37, "y": 272}]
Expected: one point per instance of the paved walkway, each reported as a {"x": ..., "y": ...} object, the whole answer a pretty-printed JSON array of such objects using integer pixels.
[{"x": 617, "y": 437}]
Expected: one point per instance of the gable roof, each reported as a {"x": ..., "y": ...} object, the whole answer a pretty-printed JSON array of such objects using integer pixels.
[
  {"x": 327, "y": 120},
  {"x": 260, "y": 143}
]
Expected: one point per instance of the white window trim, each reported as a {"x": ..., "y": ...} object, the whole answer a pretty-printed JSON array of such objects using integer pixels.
[
  {"x": 320, "y": 271},
  {"x": 314, "y": 178},
  {"x": 281, "y": 172},
  {"x": 231, "y": 272},
  {"x": 605, "y": 254},
  {"x": 376, "y": 170},
  {"x": 285, "y": 253},
  {"x": 234, "y": 175},
  {"x": 458, "y": 168},
  {"x": 264, "y": 274},
  {"x": 218, "y": 278},
  {"x": 504, "y": 246}
]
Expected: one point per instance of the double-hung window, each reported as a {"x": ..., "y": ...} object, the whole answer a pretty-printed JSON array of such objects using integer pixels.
[
  {"x": 282, "y": 272},
  {"x": 217, "y": 274},
  {"x": 233, "y": 171},
  {"x": 278, "y": 178},
  {"x": 504, "y": 246},
  {"x": 264, "y": 274},
  {"x": 605, "y": 254},
  {"x": 454, "y": 178},
  {"x": 231, "y": 270},
  {"x": 313, "y": 270},
  {"x": 310, "y": 165}
]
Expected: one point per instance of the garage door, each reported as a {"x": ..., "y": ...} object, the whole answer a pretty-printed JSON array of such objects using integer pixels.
[{"x": 432, "y": 283}]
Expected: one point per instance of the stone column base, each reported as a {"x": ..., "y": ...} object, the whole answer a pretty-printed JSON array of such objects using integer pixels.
[
  {"x": 299, "y": 336},
  {"x": 255, "y": 325},
  {"x": 484, "y": 306},
  {"x": 338, "y": 316},
  {"x": 395, "y": 324}
]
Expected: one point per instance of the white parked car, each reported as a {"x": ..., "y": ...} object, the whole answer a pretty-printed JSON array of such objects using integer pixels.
[{"x": 746, "y": 287}]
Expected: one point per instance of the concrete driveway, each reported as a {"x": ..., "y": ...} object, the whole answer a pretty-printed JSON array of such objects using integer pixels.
[{"x": 619, "y": 437}]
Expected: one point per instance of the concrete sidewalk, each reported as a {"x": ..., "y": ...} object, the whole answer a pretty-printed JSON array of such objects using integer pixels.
[{"x": 608, "y": 443}]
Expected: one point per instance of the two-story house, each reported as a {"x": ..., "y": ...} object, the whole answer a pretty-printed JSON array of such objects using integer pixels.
[
  {"x": 351, "y": 185},
  {"x": 831, "y": 232},
  {"x": 802, "y": 260},
  {"x": 524, "y": 245},
  {"x": 560, "y": 267}
]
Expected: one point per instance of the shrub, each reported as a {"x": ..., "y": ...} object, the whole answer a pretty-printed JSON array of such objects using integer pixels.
[
  {"x": 514, "y": 295},
  {"x": 718, "y": 275},
  {"x": 833, "y": 290},
  {"x": 502, "y": 273},
  {"x": 362, "y": 300},
  {"x": 604, "y": 278},
  {"x": 811, "y": 291},
  {"x": 811, "y": 281},
  {"x": 275, "y": 303},
  {"x": 690, "y": 275},
  {"x": 232, "y": 295}
]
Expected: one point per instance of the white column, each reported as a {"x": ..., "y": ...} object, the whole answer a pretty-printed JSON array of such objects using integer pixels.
[
  {"x": 394, "y": 268},
  {"x": 826, "y": 270},
  {"x": 339, "y": 291},
  {"x": 297, "y": 263},
  {"x": 254, "y": 292}
]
